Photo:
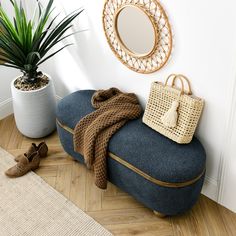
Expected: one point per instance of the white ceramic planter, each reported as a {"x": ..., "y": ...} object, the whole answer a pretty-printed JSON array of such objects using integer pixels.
[{"x": 35, "y": 111}]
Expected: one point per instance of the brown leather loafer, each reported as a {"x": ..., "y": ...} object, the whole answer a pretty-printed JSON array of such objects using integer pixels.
[
  {"x": 25, "y": 164},
  {"x": 42, "y": 149}
]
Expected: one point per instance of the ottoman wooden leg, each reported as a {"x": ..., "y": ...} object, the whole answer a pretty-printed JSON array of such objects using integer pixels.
[{"x": 159, "y": 214}]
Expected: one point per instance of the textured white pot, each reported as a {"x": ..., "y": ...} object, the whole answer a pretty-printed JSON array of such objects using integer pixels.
[{"x": 35, "y": 111}]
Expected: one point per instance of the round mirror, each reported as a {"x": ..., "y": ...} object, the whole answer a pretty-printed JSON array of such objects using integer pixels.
[
  {"x": 138, "y": 32},
  {"x": 135, "y": 30}
]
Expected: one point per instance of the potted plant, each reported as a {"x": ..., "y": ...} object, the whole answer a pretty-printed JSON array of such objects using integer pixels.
[{"x": 25, "y": 44}]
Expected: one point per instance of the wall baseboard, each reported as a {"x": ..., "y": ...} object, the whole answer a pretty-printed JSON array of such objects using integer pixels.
[
  {"x": 210, "y": 188},
  {"x": 6, "y": 108}
]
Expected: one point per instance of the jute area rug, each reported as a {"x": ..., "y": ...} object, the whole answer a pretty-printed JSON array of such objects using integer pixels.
[{"x": 29, "y": 206}]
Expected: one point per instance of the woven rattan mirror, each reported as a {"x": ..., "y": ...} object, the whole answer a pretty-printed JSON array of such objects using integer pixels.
[{"x": 139, "y": 33}]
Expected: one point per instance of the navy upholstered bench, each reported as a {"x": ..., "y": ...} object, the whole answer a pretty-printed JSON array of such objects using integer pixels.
[{"x": 165, "y": 176}]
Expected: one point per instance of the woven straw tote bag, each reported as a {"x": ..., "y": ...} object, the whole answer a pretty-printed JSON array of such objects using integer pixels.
[{"x": 172, "y": 111}]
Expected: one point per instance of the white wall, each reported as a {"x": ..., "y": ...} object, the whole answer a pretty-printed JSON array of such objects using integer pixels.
[
  {"x": 204, "y": 50},
  {"x": 6, "y": 76}
]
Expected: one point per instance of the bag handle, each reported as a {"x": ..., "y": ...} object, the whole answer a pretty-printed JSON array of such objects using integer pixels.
[{"x": 181, "y": 78}]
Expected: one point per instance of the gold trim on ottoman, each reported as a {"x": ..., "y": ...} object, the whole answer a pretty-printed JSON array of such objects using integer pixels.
[{"x": 140, "y": 172}]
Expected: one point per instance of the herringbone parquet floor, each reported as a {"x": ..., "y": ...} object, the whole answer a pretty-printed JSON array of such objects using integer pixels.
[{"x": 114, "y": 209}]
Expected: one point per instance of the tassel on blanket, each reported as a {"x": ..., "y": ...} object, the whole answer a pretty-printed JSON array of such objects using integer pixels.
[{"x": 170, "y": 118}]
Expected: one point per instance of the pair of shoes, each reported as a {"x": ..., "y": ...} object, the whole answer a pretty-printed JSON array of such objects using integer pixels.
[
  {"x": 42, "y": 149},
  {"x": 28, "y": 161}
]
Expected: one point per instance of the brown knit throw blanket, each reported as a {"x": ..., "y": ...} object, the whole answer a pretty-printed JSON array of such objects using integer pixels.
[{"x": 93, "y": 132}]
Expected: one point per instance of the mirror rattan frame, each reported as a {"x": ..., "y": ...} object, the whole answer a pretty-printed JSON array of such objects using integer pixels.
[{"x": 141, "y": 63}]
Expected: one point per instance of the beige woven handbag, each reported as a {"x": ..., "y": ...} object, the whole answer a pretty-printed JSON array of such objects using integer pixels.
[{"x": 172, "y": 111}]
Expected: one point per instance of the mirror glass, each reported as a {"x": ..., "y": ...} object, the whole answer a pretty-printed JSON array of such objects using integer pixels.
[{"x": 135, "y": 30}]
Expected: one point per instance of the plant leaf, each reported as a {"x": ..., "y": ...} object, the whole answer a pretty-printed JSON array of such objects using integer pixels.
[
  {"x": 24, "y": 42},
  {"x": 58, "y": 29}
]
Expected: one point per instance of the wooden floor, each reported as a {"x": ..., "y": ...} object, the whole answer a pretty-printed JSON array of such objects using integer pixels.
[{"x": 114, "y": 209}]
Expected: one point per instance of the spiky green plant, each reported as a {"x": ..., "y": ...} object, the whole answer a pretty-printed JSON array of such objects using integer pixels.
[{"x": 25, "y": 43}]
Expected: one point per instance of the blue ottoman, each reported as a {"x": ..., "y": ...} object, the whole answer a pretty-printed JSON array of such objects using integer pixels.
[{"x": 165, "y": 176}]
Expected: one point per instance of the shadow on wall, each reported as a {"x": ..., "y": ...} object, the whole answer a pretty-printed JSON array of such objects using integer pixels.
[
  {"x": 90, "y": 63},
  {"x": 92, "y": 59},
  {"x": 83, "y": 65}
]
